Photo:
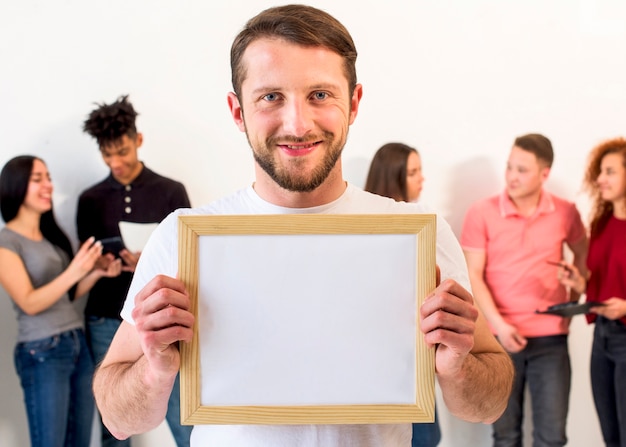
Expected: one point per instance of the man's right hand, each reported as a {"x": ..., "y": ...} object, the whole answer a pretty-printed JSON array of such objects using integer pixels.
[
  {"x": 162, "y": 319},
  {"x": 570, "y": 276},
  {"x": 133, "y": 383},
  {"x": 104, "y": 260},
  {"x": 511, "y": 340}
]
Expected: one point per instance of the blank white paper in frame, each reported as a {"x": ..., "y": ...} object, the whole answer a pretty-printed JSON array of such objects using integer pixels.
[{"x": 307, "y": 318}]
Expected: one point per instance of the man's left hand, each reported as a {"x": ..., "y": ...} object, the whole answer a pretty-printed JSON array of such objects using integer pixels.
[
  {"x": 448, "y": 320},
  {"x": 130, "y": 260}
]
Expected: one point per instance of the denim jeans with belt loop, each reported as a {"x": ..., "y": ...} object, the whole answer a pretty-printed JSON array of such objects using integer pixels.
[{"x": 55, "y": 374}]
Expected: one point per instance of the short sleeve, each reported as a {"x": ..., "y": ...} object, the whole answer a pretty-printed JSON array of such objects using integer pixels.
[
  {"x": 576, "y": 231},
  {"x": 473, "y": 233}
]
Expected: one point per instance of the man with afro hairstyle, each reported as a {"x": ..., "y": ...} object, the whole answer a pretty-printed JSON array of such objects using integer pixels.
[{"x": 131, "y": 193}]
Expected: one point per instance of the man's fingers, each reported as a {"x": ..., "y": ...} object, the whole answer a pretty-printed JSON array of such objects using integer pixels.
[
  {"x": 163, "y": 318},
  {"x": 450, "y": 297},
  {"x": 161, "y": 331},
  {"x": 128, "y": 257},
  {"x": 449, "y": 317},
  {"x": 160, "y": 283},
  {"x": 162, "y": 314},
  {"x": 461, "y": 343},
  {"x": 456, "y": 289}
]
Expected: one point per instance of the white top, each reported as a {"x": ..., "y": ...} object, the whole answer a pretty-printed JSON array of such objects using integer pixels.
[{"x": 160, "y": 256}]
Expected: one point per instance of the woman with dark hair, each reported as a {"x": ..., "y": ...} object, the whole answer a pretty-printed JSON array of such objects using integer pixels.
[
  {"x": 42, "y": 276},
  {"x": 396, "y": 172},
  {"x": 605, "y": 181}
]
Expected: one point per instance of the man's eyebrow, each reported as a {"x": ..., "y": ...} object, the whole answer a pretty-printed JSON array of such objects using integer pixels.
[
  {"x": 262, "y": 89},
  {"x": 322, "y": 86},
  {"x": 114, "y": 150}
]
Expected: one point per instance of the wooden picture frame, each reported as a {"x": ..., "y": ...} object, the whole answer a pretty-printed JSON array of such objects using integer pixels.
[{"x": 222, "y": 255}]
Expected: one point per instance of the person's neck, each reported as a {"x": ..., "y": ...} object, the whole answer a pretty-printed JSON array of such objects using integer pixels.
[
  {"x": 527, "y": 205},
  {"x": 330, "y": 190},
  {"x": 619, "y": 208},
  {"x": 133, "y": 177},
  {"x": 27, "y": 225}
]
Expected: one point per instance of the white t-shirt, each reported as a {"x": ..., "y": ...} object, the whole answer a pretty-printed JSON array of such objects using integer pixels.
[{"x": 160, "y": 256}]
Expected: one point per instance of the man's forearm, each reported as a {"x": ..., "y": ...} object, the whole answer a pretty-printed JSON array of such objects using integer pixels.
[
  {"x": 480, "y": 392},
  {"x": 129, "y": 402},
  {"x": 484, "y": 300}
]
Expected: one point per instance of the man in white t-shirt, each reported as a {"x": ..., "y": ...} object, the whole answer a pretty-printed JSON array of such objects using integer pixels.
[{"x": 295, "y": 96}]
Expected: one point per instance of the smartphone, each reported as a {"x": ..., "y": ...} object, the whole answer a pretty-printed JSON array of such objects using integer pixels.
[
  {"x": 561, "y": 264},
  {"x": 112, "y": 245}
]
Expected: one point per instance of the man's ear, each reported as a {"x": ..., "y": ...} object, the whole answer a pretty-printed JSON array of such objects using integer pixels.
[
  {"x": 545, "y": 172},
  {"x": 139, "y": 140},
  {"x": 236, "y": 111},
  {"x": 355, "y": 101}
]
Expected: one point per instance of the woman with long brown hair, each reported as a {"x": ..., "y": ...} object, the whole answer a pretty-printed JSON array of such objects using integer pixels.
[{"x": 396, "y": 172}]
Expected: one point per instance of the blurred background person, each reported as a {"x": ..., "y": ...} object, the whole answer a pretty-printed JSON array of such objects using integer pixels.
[
  {"x": 42, "y": 276},
  {"x": 131, "y": 192},
  {"x": 605, "y": 181},
  {"x": 508, "y": 240},
  {"x": 396, "y": 172}
]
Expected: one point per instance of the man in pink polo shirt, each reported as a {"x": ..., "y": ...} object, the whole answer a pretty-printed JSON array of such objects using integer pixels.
[{"x": 508, "y": 240}]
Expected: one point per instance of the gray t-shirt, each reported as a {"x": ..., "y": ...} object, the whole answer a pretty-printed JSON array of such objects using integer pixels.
[{"x": 43, "y": 262}]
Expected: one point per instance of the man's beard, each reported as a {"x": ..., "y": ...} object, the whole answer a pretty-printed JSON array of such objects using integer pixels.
[{"x": 287, "y": 177}]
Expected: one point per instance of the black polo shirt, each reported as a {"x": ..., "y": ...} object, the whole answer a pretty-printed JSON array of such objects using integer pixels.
[{"x": 148, "y": 199}]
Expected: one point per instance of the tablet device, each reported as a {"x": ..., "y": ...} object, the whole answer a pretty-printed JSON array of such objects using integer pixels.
[{"x": 569, "y": 309}]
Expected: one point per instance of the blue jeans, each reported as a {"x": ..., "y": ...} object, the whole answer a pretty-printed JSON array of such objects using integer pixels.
[
  {"x": 426, "y": 435},
  {"x": 100, "y": 332},
  {"x": 608, "y": 374},
  {"x": 55, "y": 374},
  {"x": 545, "y": 365}
]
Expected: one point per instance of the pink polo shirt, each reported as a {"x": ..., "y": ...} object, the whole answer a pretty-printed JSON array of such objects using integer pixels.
[{"x": 517, "y": 249}]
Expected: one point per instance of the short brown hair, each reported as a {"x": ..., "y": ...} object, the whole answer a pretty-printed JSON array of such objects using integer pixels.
[
  {"x": 538, "y": 145},
  {"x": 298, "y": 24}
]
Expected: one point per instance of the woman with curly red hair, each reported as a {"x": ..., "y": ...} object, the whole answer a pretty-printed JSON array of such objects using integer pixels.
[{"x": 605, "y": 181}]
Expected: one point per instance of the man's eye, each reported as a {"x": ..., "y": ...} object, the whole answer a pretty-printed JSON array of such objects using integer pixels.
[
  {"x": 271, "y": 97},
  {"x": 320, "y": 95}
]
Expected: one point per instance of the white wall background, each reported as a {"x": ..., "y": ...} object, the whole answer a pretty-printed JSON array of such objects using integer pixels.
[{"x": 457, "y": 79}]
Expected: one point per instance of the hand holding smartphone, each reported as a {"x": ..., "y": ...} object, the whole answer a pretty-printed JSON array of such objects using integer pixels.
[
  {"x": 566, "y": 267},
  {"x": 112, "y": 245}
]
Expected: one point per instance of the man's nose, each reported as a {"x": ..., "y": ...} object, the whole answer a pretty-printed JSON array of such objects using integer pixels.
[
  {"x": 297, "y": 118},
  {"x": 114, "y": 161}
]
